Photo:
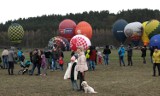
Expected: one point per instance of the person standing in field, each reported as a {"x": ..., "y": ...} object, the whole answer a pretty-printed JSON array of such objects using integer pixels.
[
  {"x": 11, "y": 61},
  {"x": 87, "y": 54},
  {"x": 71, "y": 72},
  {"x": 48, "y": 55},
  {"x": 5, "y": 58},
  {"x": 43, "y": 64},
  {"x": 106, "y": 53},
  {"x": 144, "y": 50},
  {"x": 99, "y": 54},
  {"x": 19, "y": 54},
  {"x": 121, "y": 53},
  {"x": 92, "y": 58},
  {"x": 156, "y": 61},
  {"x": 129, "y": 55},
  {"x": 81, "y": 65},
  {"x": 61, "y": 62},
  {"x": 54, "y": 55}
]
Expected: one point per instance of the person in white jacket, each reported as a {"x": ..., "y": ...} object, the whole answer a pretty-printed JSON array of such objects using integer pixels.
[{"x": 71, "y": 73}]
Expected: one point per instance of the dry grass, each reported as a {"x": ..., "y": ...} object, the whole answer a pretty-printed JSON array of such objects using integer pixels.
[{"x": 111, "y": 80}]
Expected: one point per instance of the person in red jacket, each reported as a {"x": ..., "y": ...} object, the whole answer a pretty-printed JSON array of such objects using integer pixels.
[
  {"x": 61, "y": 62},
  {"x": 92, "y": 58}
]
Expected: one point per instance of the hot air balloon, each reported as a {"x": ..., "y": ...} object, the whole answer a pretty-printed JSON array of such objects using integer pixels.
[
  {"x": 79, "y": 40},
  {"x": 67, "y": 48},
  {"x": 152, "y": 28},
  {"x": 145, "y": 38},
  {"x": 118, "y": 30},
  {"x": 84, "y": 28},
  {"x": 134, "y": 32},
  {"x": 67, "y": 28},
  {"x": 15, "y": 33},
  {"x": 58, "y": 41},
  {"x": 155, "y": 41}
]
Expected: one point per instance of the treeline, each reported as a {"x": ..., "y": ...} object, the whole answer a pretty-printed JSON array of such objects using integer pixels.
[{"x": 38, "y": 30}]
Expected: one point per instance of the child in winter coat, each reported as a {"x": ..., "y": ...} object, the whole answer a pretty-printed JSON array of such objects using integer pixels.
[
  {"x": 43, "y": 64},
  {"x": 71, "y": 73},
  {"x": 61, "y": 62},
  {"x": 99, "y": 57}
]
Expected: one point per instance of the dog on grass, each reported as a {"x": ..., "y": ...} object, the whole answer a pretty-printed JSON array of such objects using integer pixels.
[{"x": 87, "y": 88}]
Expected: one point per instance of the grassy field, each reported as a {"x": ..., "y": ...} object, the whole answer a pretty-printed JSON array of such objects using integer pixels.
[{"x": 111, "y": 80}]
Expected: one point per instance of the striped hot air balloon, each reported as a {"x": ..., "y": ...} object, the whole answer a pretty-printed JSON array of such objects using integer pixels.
[
  {"x": 152, "y": 28},
  {"x": 145, "y": 38}
]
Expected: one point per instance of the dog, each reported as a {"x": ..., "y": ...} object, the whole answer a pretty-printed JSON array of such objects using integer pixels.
[{"x": 87, "y": 88}]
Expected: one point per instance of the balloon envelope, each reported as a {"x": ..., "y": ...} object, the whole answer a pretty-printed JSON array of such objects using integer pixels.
[
  {"x": 145, "y": 38},
  {"x": 79, "y": 40},
  {"x": 118, "y": 30},
  {"x": 152, "y": 28},
  {"x": 155, "y": 41},
  {"x": 15, "y": 33},
  {"x": 58, "y": 41},
  {"x": 134, "y": 31},
  {"x": 84, "y": 28},
  {"x": 67, "y": 28}
]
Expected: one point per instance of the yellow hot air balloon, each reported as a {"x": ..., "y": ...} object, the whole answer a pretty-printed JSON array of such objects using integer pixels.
[
  {"x": 152, "y": 28},
  {"x": 145, "y": 38}
]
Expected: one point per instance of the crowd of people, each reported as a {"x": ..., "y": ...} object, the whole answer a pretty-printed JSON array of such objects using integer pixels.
[
  {"x": 40, "y": 59},
  {"x": 81, "y": 60}
]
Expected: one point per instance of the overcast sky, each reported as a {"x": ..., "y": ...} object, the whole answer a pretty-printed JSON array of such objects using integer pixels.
[{"x": 14, "y": 9}]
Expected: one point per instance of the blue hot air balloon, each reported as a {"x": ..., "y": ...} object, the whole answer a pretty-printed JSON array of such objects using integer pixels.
[
  {"x": 155, "y": 41},
  {"x": 118, "y": 30}
]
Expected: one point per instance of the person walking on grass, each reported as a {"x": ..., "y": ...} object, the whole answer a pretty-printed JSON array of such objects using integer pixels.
[
  {"x": 156, "y": 61},
  {"x": 43, "y": 64},
  {"x": 35, "y": 61},
  {"x": 121, "y": 53}
]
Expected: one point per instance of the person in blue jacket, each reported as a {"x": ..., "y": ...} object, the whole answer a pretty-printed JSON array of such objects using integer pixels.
[{"x": 121, "y": 53}]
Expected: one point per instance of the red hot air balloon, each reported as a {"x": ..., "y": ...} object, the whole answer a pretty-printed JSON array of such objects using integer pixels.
[
  {"x": 84, "y": 28},
  {"x": 67, "y": 28}
]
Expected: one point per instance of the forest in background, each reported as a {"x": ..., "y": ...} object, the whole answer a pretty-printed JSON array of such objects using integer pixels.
[{"x": 38, "y": 30}]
